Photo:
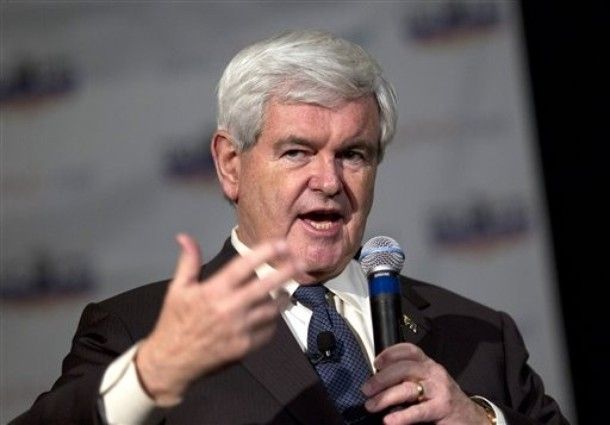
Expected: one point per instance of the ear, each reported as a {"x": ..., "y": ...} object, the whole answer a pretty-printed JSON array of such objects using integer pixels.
[{"x": 227, "y": 161}]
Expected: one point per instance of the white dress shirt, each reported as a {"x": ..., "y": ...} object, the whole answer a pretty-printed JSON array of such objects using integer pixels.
[{"x": 124, "y": 401}]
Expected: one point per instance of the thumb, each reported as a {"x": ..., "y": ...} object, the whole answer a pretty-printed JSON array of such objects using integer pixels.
[{"x": 189, "y": 261}]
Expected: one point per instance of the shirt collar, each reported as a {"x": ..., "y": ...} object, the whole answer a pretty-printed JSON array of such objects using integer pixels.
[{"x": 350, "y": 286}]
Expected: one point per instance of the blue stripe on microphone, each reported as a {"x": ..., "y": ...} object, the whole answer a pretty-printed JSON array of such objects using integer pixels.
[{"x": 384, "y": 283}]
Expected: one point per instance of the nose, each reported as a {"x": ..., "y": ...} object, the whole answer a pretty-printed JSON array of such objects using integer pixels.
[{"x": 326, "y": 177}]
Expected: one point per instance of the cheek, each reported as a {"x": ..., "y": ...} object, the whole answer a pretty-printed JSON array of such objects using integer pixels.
[
  {"x": 279, "y": 194},
  {"x": 363, "y": 193}
]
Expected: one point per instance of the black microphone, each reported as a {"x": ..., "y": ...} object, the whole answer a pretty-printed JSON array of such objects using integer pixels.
[
  {"x": 327, "y": 343},
  {"x": 381, "y": 260}
]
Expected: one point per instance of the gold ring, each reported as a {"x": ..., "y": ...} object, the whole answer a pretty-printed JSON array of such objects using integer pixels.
[{"x": 420, "y": 392}]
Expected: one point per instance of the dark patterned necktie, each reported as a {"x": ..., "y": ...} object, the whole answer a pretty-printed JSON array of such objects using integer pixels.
[{"x": 346, "y": 369}]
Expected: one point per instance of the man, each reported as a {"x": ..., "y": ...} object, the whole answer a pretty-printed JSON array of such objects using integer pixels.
[{"x": 303, "y": 121}]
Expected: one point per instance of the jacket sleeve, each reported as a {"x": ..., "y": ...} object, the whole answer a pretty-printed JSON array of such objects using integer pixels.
[
  {"x": 73, "y": 399},
  {"x": 529, "y": 403}
]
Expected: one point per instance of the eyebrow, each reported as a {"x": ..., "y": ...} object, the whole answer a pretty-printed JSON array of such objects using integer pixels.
[
  {"x": 360, "y": 144},
  {"x": 299, "y": 141},
  {"x": 291, "y": 141}
]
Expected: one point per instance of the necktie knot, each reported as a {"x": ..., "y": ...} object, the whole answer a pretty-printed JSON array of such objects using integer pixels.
[{"x": 311, "y": 296}]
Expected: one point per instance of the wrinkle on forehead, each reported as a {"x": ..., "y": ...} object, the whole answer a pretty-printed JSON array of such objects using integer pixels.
[{"x": 351, "y": 120}]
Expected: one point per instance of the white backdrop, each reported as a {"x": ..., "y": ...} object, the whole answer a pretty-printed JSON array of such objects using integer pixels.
[{"x": 107, "y": 110}]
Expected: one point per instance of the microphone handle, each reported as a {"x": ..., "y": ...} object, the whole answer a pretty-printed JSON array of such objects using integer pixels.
[
  {"x": 384, "y": 290},
  {"x": 385, "y": 311}
]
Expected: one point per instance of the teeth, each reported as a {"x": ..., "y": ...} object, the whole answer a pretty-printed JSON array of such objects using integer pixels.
[{"x": 320, "y": 225}]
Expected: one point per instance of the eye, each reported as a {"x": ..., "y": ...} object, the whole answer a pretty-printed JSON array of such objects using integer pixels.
[
  {"x": 295, "y": 154},
  {"x": 354, "y": 156}
]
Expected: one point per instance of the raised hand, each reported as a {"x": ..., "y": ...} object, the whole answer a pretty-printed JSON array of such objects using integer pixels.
[{"x": 206, "y": 325}]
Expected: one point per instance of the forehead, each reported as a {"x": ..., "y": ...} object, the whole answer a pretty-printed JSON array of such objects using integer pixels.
[{"x": 352, "y": 119}]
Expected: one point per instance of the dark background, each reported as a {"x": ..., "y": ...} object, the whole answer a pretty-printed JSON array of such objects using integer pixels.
[{"x": 566, "y": 44}]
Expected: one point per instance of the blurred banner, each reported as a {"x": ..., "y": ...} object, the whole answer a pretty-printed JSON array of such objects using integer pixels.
[{"x": 107, "y": 111}]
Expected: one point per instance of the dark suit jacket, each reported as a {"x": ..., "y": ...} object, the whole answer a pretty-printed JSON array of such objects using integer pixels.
[{"x": 479, "y": 347}]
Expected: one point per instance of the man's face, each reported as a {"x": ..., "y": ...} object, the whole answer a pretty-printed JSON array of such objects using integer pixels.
[{"x": 310, "y": 179}]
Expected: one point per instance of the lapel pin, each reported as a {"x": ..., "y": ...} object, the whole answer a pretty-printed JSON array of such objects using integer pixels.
[{"x": 409, "y": 323}]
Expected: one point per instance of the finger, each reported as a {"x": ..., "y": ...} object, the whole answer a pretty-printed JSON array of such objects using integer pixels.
[
  {"x": 189, "y": 261},
  {"x": 241, "y": 269},
  {"x": 398, "y": 352},
  {"x": 393, "y": 375},
  {"x": 282, "y": 299},
  {"x": 263, "y": 334},
  {"x": 258, "y": 289},
  {"x": 263, "y": 314},
  {"x": 414, "y": 414},
  {"x": 403, "y": 392}
]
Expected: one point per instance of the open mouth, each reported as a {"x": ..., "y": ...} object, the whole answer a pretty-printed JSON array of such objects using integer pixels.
[{"x": 322, "y": 220}]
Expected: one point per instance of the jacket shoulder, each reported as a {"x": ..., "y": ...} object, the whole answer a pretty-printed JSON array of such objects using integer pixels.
[{"x": 438, "y": 301}]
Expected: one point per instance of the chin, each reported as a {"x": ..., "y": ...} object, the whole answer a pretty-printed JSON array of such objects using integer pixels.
[
  {"x": 319, "y": 271},
  {"x": 323, "y": 259},
  {"x": 315, "y": 276}
]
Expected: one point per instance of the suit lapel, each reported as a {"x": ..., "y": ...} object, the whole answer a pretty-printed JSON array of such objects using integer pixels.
[{"x": 415, "y": 327}]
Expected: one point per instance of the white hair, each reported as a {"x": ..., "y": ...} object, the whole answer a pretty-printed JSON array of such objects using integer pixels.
[{"x": 300, "y": 66}]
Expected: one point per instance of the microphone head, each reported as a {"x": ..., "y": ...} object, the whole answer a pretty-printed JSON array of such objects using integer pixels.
[{"x": 381, "y": 253}]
